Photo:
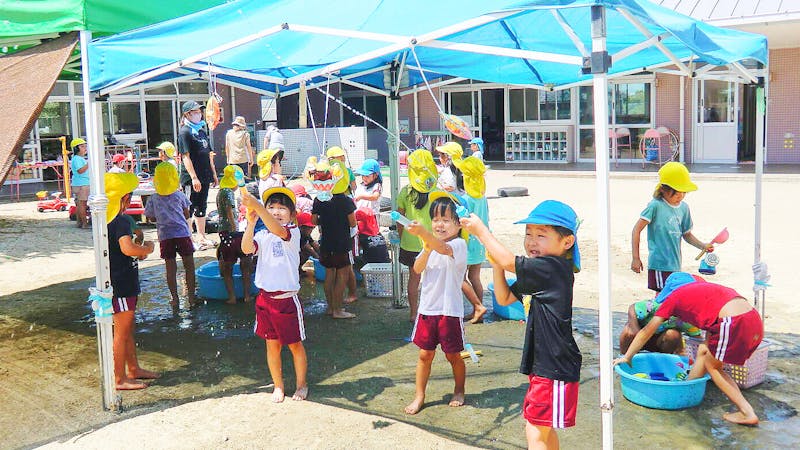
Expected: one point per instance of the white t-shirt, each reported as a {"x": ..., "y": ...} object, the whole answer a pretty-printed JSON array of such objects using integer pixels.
[
  {"x": 447, "y": 180},
  {"x": 373, "y": 205},
  {"x": 278, "y": 261},
  {"x": 440, "y": 288}
]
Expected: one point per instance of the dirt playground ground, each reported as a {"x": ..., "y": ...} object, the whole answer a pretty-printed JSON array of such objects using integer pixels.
[{"x": 215, "y": 385}]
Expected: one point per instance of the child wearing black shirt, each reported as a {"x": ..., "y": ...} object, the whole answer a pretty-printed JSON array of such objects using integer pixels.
[{"x": 550, "y": 356}]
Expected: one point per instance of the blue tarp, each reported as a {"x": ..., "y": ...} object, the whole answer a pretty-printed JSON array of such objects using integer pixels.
[{"x": 518, "y": 25}]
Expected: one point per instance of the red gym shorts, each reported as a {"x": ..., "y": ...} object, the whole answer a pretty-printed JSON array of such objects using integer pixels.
[
  {"x": 550, "y": 403},
  {"x": 335, "y": 260},
  {"x": 170, "y": 247},
  {"x": 122, "y": 304},
  {"x": 430, "y": 331},
  {"x": 733, "y": 339},
  {"x": 656, "y": 279},
  {"x": 279, "y": 319},
  {"x": 230, "y": 246}
]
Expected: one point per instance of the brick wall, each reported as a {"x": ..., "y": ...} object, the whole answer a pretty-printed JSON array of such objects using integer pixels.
[{"x": 783, "y": 110}]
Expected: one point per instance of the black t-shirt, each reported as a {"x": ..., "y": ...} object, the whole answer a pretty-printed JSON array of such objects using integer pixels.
[
  {"x": 124, "y": 268},
  {"x": 198, "y": 147},
  {"x": 334, "y": 227},
  {"x": 550, "y": 350}
]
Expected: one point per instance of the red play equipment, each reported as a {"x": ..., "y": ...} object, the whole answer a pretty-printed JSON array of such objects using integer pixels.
[{"x": 55, "y": 203}]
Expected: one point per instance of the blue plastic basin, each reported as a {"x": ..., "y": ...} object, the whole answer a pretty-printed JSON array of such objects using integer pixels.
[
  {"x": 514, "y": 311},
  {"x": 210, "y": 284},
  {"x": 319, "y": 270},
  {"x": 660, "y": 394}
]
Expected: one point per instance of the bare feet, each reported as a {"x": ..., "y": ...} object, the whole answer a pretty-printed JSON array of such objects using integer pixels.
[
  {"x": 415, "y": 406},
  {"x": 477, "y": 316},
  {"x": 300, "y": 394},
  {"x": 342, "y": 314},
  {"x": 127, "y": 384},
  {"x": 231, "y": 301},
  {"x": 350, "y": 299},
  {"x": 277, "y": 395},
  {"x": 143, "y": 374},
  {"x": 457, "y": 399},
  {"x": 741, "y": 419}
]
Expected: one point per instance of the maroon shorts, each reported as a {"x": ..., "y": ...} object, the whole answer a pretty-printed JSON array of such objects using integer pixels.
[
  {"x": 407, "y": 257},
  {"x": 335, "y": 260},
  {"x": 733, "y": 339},
  {"x": 279, "y": 318},
  {"x": 551, "y": 403},
  {"x": 230, "y": 246},
  {"x": 656, "y": 279},
  {"x": 170, "y": 247},
  {"x": 430, "y": 331},
  {"x": 122, "y": 304}
]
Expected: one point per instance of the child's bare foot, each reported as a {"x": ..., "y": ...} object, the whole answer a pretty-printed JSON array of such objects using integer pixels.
[
  {"x": 741, "y": 419},
  {"x": 144, "y": 374},
  {"x": 300, "y": 394},
  {"x": 457, "y": 399},
  {"x": 415, "y": 406},
  {"x": 231, "y": 301},
  {"x": 129, "y": 385},
  {"x": 477, "y": 316},
  {"x": 277, "y": 395},
  {"x": 342, "y": 314},
  {"x": 350, "y": 299}
]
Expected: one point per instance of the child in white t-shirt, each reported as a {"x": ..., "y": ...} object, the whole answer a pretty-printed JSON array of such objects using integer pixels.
[
  {"x": 443, "y": 264},
  {"x": 279, "y": 314}
]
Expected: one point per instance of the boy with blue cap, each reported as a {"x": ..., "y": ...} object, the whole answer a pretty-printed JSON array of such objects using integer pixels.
[{"x": 545, "y": 277}]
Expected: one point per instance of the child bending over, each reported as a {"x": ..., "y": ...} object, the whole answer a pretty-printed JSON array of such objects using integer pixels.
[
  {"x": 442, "y": 264},
  {"x": 279, "y": 315},
  {"x": 545, "y": 278}
]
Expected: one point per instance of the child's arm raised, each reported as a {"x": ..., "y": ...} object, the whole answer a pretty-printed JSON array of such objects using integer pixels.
[
  {"x": 248, "y": 245},
  {"x": 273, "y": 225},
  {"x": 502, "y": 291},
  {"x": 428, "y": 239},
  {"x": 636, "y": 261},
  {"x": 501, "y": 256}
]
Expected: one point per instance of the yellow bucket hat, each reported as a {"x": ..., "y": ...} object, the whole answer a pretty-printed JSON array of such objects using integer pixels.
[
  {"x": 435, "y": 195},
  {"x": 344, "y": 181},
  {"x": 422, "y": 173},
  {"x": 451, "y": 149},
  {"x": 264, "y": 161},
  {"x": 228, "y": 180},
  {"x": 335, "y": 152},
  {"x": 473, "y": 169},
  {"x": 278, "y": 190},
  {"x": 117, "y": 186},
  {"x": 676, "y": 176},
  {"x": 165, "y": 178},
  {"x": 167, "y": 148}
]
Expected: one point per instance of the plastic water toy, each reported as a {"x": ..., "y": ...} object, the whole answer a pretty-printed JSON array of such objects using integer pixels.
[
  {"x": 462, "y": 212},
  {"x": 655, "y": 380},
  {"x": 471, "y": 351},
  {"x": 708, "y": 266},
  {"x": 456, "y": 125},
  {"x": 401, "y": 219},
  {"x": 720, "y": 238}
]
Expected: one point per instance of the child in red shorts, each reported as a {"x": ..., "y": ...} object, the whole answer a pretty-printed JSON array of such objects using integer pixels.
[
  {"x": 545, "y": 279},
  {"x": 279, "y": 315},
  {"x": 443, "y": 264},
  {"x": 733, "y": 332}
]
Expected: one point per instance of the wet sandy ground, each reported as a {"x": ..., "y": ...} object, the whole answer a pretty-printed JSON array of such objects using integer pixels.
[{"x": 48, "y": 369}]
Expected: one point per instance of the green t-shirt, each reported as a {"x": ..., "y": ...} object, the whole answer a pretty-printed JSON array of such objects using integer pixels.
[
  {"x": 226, "y": 201},
  {"x": 405, "y": 202},
  {"x": 667, "y": 225}
]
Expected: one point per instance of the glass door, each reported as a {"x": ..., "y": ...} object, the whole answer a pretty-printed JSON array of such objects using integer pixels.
[{"x": 716, "y": 122}]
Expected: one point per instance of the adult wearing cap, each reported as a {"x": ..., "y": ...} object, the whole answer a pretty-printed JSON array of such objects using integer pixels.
[
  {"x": 117, "y": 163},
  {"x": 413, "y": 202},
  {"x": 238, "y": 149},
  {"x": 734, "y": 330},
  {"x": 123, "y": 256},
  {"x": 198, "y": 170},
  {"x": 80, "y": 180},
  {"x": 476, "y": 146}
]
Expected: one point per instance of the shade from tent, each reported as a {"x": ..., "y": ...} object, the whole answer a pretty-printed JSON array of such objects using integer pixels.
[
  {"x": 534, "y": 43},
  {"x": 28, "y": 77}
]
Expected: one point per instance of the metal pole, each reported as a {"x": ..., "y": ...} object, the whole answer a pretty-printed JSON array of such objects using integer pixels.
[
  {"x": 599, "y": 64},
  {"x": 760, "y": 294},
  {"x": 393, "y": 125},
  {"x": 98, "y": 203}
]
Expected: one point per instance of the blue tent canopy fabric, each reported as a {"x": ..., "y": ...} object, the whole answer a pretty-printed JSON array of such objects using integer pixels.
[{"x": 297, "y": 44}]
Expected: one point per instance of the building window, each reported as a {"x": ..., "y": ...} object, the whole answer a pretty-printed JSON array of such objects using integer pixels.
[
  {"x": 55, "y": 119},
  {"x": 523, "y": 105},
  {"x": 632, "y": 103},
  {"x": 373, "y": 106},
  {"x": 193, "y": 88},
  {"x": 126, "y": 118}
]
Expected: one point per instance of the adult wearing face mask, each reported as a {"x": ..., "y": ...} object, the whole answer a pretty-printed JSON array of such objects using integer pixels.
[{"x": 198, "y": 167}]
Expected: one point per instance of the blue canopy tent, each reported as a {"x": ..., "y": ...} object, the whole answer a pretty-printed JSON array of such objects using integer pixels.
[{"x": 274, "y": 46}]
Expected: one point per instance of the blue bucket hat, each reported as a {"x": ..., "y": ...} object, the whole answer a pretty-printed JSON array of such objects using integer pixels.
[
  {"x": 478, "y": 141},
  {"x": 555, "y": 213},
  {"x": 368, "y": 167},
  {"x": 673, "y": 282}
]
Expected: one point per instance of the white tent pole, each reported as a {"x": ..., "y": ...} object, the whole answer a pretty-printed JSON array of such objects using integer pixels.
[
  {"x": 599, "y": 68},
  {"x": 392, "y": 123},
  {"x": 98, "y": 203},
  {"x": 760, "y": 294}
]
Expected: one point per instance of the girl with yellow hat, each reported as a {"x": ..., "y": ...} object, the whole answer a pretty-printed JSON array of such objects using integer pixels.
[
  {"x": 269, "y": 170},
  {"x": 667, "y": 219},
  {"x": 450, "y": 178},
  {"x": 413, "y": 202},
  {"x": 80, "y": 180}
]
